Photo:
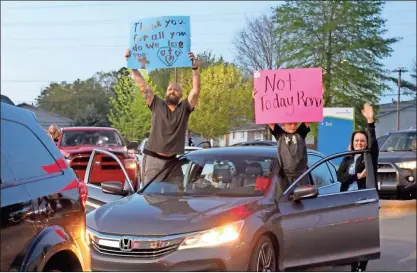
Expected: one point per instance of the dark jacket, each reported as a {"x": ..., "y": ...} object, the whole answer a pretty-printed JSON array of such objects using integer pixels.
[{"x": 343, "y": 175}]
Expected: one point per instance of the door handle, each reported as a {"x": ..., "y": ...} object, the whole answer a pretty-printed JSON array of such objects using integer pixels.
[{"x": 365, "y": 201}]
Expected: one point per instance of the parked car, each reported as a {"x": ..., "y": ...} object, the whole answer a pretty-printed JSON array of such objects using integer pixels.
[
  {"x": 382, "y": 139},
  {"x": 77, "y": 143},
  {"x": 242, "y": 220},
  {"x": 43, "y": 223},
  {"x": 256, "y": 143},
  {"x": 397, "y": 165},
  {"x": 187, "y": 149}
]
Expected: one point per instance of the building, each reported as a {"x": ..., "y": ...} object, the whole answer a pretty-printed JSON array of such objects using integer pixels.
[
  {"x": 387, "y": 117},
  {"x": 247, "y": 132},
  {"x": 46, "y": 118}
]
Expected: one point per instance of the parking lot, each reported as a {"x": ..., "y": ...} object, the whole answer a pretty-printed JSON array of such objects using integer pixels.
[{"x": 398, "y": 238}]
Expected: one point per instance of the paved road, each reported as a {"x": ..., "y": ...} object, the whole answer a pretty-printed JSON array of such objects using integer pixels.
[{"x": 398, "y": 238}]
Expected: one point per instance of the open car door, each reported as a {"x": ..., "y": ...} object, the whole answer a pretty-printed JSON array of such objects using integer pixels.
[
  {"x": 106, "y": 192},
  {"x": 328, "y": 227}
]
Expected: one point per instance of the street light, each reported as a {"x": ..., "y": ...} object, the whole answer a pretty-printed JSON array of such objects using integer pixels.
[{"x": 399, "y": 70}]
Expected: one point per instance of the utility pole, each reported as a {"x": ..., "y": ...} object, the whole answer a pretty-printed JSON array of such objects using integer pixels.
[{"x": 399, "y": 70}]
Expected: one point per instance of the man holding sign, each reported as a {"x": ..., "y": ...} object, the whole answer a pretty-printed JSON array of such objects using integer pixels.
[{"x": 169, "y": 121}]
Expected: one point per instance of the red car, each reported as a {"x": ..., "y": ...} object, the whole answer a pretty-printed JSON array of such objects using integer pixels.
[{"x": 77, "y": 143}]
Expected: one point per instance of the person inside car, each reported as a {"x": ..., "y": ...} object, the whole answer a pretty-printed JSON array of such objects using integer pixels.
[{"x": 352, "y": 171}]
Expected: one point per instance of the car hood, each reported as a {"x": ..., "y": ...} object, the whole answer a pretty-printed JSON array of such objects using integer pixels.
[
  {"x": 143, "y": 215},
  {"x": 89, "y": 148},
  {"x": 396, "y": 156}
]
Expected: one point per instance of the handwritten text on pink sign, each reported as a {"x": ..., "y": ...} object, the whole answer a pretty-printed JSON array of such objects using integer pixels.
[{"x": 288, "y": 95}]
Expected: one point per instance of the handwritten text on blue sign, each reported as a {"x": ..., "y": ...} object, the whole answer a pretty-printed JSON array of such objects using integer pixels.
[{"x": 162, "y": 42}]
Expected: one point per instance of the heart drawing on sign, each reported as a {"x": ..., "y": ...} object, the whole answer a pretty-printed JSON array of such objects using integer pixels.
[{"x": 168, "y": 56}]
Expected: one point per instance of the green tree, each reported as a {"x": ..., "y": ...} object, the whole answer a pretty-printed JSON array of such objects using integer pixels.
[
  {"x": 129, "y": 113},
  {"x": 84, "y": 101},
  {"x": 345, "y": 38},
  {"x": 225, "y": 100}
]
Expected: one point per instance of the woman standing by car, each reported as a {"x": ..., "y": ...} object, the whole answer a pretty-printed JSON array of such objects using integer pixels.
[
  {"x": 352, "y": 171},
  {"x": 53, "y": 132}
]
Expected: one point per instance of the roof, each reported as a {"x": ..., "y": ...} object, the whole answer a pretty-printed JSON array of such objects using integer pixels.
[
  {"x": 6, "y": 99},
  {"x": 403, "y": 131},
  {"x": 79, "y": 128},
  {"x": 249, "y": 125},
  {"x": 45, "y": 117},
  {"x": 268, "y": 151},
  {"x": 389, "y": 108},
  {"x": 257, "y": 143}
]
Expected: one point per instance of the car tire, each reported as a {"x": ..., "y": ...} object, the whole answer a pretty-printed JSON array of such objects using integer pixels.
[{"x": 263, "y": 258}]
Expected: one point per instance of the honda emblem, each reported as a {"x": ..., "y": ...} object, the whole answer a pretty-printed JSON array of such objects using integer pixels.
[{"x": 126, "y": 244}]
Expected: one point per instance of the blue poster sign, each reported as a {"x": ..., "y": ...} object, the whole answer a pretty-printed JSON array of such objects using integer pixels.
[
  {"x": 334, "y": 131},
  {"x": 161, "y": 42}
]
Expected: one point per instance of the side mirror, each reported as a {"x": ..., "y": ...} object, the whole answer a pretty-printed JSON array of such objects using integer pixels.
[
  {"x": 113, "y": 188},
  {"x": 304, "y": 192}
]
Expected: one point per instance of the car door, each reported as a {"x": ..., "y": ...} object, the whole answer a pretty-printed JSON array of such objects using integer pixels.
[
  {"x": 16, "y": 226},
  {"x": 324, "y": 176},
  {"x": 96, "y": 196},
  {"x": 331, "y": 228}
]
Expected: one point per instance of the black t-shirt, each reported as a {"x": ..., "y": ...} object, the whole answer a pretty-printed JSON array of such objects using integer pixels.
[{"x": 168, "y": 127}]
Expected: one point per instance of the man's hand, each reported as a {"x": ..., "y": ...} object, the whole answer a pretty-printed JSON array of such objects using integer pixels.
[
  {"x": 127, "y": 54},
  {"x": 368, "y": 112},
  {"x": 147, "y": 92},
  {"x": 362, "y": 174},
  {"x": 254, "y": 91},
  {"x": 195, "y": 92},
  {"x": 193, "y": 60}
]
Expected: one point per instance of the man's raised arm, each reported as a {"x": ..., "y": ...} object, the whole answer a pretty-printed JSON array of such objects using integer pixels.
[
  {"x": 146, "y": 90},
  {"x": 195, "y": 92}
]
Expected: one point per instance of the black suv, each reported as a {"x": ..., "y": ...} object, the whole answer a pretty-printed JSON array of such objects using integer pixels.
[
  {"x": 42, "y": 202},
  {"x": 397, "y": 165}
]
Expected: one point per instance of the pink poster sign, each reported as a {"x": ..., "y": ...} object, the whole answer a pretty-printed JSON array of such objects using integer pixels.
[{"x": 288, "y": 95}]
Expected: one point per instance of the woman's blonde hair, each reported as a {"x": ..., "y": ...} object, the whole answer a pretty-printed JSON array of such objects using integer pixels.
[{"x": 55, "y": 129}]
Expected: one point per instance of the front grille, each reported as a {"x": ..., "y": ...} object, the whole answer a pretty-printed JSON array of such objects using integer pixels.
[
  {"x": 80, "y": 161},
  {"x": 382, "y": 177},
  {"x": 135, "y": 253},
  {"x": 386, "y": 173}
]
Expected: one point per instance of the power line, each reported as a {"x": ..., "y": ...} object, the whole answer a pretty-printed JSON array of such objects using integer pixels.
[
  {"x": 82, "y": 5},
  {"x": 195, "y": 18},
  {"x": 119, "y": 21}
]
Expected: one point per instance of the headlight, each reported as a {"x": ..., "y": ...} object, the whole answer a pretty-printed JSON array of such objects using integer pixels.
[
  {"x": 130, "y": 163},
  {"x": 88, "y": 237},
  {"x": 214, "y": 236},
  {"x": 407, "y": 165}
]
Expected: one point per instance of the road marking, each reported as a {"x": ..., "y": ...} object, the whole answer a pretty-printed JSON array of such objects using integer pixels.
[{"x": 412, "y": 256}]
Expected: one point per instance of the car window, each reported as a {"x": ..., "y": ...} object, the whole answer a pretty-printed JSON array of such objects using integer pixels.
[
  {"x": 24, "y": 152},
  {"x": 222, "y": 175},
  {"x": 6, "y": 173},
  {"x": 321, "y": 175},
  {"x": 399, "y": 142},
  {"x": 91, "y": 137}
]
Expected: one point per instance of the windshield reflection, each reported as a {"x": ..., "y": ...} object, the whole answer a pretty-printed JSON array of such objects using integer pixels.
[
  {"x": 398, "y": 142},
  {"x": 97, "y": 138},
  {"x": 228, "y": 176}
]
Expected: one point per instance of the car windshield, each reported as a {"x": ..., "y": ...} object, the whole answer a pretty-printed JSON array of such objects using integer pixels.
[
  {"x": 399, "y": 142},
  {"x": 222, "y": 175},
  {"x": 96, "y": 137}
]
